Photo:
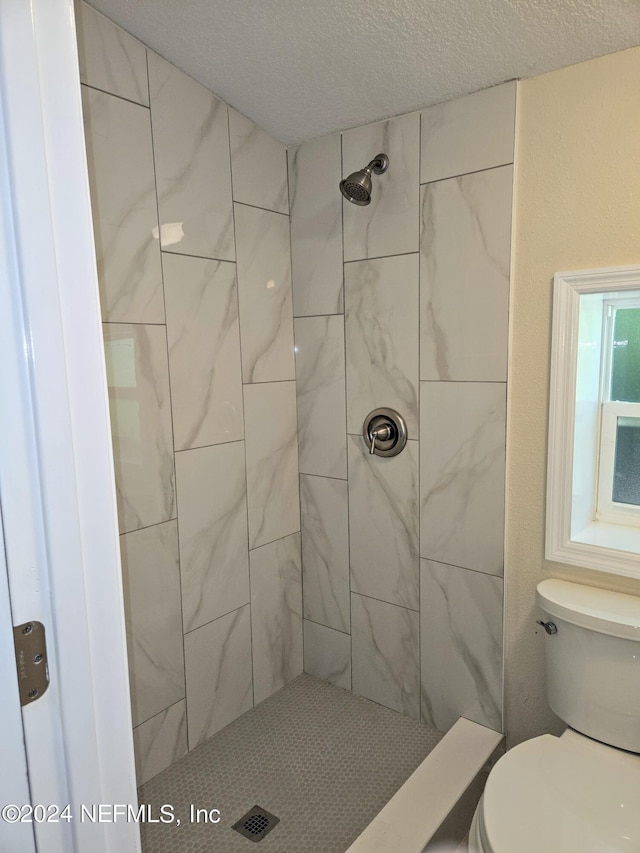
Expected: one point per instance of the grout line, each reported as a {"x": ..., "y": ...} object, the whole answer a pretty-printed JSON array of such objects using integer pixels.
[
  {"x": 402, "y": 714},
  {"x": 175, "y": 478},
  {"x": 265, "y": 209},
  {"x": 346, "y": 427},
  {"x": 216, "y": 618},
  {"x": 382, "y": 601},
  {"x": 119, "y": 97},
  {"x": 200, "y": 257},
  {"x": 328, "y": 627},
  {"x": 324, "y": 477},
  {"x": 244, "y": 425},
  {"x": 163, "y": 711},
  {"x": 268, "y": 382},
  {"x": 295, "y": 370},
  {"x": 346, "y": 424},
  {"x": 147, "y": 526},
  {"x": 382, "y": 257},
  {"x": 464, "y": 174},
  {"x": 310, "y": 316},
  {"x": 462, "y": 568},
  {"x": 419, "y": 412},
  {"x": 277, "y": 539},
  {"x": 203, "y": 446}
]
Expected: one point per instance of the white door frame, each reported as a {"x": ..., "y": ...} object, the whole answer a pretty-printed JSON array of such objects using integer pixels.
[
  {"x": 56, "y": 470},
  {"x": 14, "y": 786}
]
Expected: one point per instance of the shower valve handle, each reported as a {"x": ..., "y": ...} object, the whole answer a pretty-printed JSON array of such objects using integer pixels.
[{"x": 381, "y": 433}]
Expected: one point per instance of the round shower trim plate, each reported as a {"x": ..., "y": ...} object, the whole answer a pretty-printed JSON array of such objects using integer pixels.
[{"x": 379, "y": 164}]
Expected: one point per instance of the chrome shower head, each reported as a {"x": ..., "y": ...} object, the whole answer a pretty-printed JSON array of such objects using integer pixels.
[{"x": 357, "y": 187}]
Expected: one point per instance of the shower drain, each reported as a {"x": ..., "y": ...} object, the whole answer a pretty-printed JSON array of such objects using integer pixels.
[{"x": 256, "y": 823}]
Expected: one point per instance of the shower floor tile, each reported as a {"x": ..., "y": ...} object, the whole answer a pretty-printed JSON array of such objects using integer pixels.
[{"x": 321, "y": 759}]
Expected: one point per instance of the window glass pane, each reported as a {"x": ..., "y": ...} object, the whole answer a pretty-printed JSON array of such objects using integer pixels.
[
  {"x": 625, "y": 366},
  {"x": 626, "y": 469}
]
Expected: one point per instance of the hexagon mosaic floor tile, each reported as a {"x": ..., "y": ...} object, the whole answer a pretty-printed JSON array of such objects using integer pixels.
[{"x": 321, "y": 759}]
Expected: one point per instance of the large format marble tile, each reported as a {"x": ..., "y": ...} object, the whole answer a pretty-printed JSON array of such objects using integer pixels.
[
  {"x": 464, "y": 277},
  {"x": 110, "y": 59},
  {"x": 193, "y": 169},
  {"x": 212, "y": 517},
  {"x": 218, "y": 669},
  {"x": 385, "y": 654},
  {"x": 320, "y": 388},
  {"x": 388, "y": 225},
  {"x": 325, "y": 551},
  {"x": 276, "y": 615},
  {"x": 160, "y": 741},
  {"x": 381, "y": 329},
  {"x": 461, "y": 646},
  {"x": 140, "y": 409},
  {"x": 383, "y": 523},
  {"x": 272, "y": 461},
  {"x": 327, "y": 654},
  {"x": 151, "y": 585},
  {"x": 123, "y": 203},
  {"x": 264, "y": 290},
  {"x": 316, "y": 226},
  {"x": 259, "y": 165},
  {"x": 462, "y": 435},
  {"x": 204, "y": 350},
  {"x": 469, "y": 134}
]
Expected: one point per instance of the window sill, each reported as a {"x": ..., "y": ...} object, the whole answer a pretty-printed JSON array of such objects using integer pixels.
[{"x": 612, "y": 548}]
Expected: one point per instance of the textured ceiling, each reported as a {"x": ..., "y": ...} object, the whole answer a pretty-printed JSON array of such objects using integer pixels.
[{"x": 303, "y": 68}]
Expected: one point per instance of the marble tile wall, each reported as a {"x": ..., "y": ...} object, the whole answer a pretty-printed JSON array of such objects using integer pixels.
[
  {"x": 193, "y": 164},
  {"x": 381, "y": 328},
  {"x": 201, "y": 376},
  {"x": 276, "y": 614},
  {"x": 421, "y": 279},
  {"x": 460, "y": 645},
  {"x": 389, "y": 224},
  {"x": 123, "y": 200},
  {"x": 272, "y": 461},
  {"x": 247, "y": 505},
  {"x": 264, "y": 292},
  {"x": 325, "y": 551},
  {"x": 316, "y": 227},
  {"x": 320, "y": 388}
]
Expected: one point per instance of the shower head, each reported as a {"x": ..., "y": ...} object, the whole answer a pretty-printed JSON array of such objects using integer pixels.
[{"x": 357, "y": 187}]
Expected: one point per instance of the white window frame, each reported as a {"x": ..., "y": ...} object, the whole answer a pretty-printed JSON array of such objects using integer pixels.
[
  {"x": 573, "y": 533},
  {"x": 607, "y": 509}
]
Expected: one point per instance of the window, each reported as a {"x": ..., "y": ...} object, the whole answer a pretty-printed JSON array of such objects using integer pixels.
[
  {"x": 593, "y": 476},
  {"x": 618, "y": 492}
]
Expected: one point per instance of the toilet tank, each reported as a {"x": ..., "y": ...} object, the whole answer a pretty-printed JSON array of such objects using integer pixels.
[{"x": 593, "y": 661}]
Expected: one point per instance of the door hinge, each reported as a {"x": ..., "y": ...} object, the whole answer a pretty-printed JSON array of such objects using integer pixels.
[{"x": 31, "y": 661}]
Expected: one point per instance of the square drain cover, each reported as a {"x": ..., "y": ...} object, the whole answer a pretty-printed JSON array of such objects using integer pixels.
[{"x": 256, "y": 823}]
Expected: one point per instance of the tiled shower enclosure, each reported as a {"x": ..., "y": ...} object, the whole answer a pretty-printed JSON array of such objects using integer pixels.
[
  {"x": 251, "y": 516},
  {"x": 404, "y": 303}
]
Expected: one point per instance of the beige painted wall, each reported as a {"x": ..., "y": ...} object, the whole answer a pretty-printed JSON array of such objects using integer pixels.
[{"x": 577, "y": 206}]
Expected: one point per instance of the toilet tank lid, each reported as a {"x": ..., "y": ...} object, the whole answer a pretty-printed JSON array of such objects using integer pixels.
[{"x": 612, "y": 613}]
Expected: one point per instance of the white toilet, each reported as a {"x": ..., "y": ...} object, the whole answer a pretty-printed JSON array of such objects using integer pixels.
[{"x": 578, "y": 793}]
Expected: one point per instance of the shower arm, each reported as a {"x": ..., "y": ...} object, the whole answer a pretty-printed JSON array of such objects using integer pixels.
[{"x": 378, "y": 165}]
